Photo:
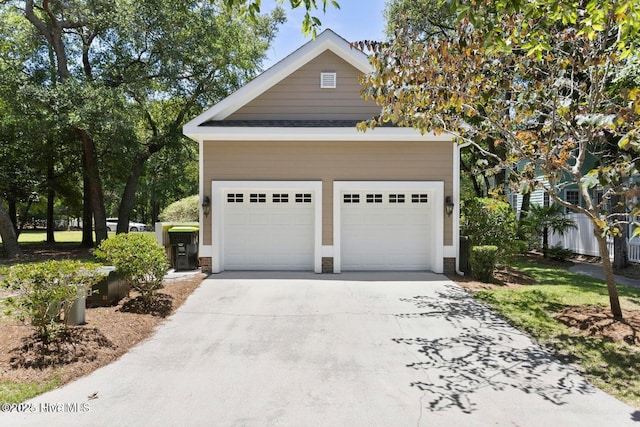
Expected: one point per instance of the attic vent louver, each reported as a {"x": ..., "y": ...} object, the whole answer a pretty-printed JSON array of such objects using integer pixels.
[{"x": 327, "y": 80}]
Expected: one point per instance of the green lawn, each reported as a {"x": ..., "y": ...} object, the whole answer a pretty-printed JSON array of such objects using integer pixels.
[
  {"x": 613, "y": 367},
  {"x": 16, "y": 392},
  {"x": 38, "y": 236}
]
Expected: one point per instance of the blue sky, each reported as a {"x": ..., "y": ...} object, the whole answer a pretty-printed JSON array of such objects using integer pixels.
[{"x": 355, "y": 20}]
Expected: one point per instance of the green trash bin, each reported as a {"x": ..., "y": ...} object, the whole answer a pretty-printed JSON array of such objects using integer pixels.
[{"x": 184, "y": 243}]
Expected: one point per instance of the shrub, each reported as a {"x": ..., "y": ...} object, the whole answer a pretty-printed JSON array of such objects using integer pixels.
[
  {"x": 491, "y": 222},
  {"x": 45, "y": 292},
  {"x": 140, "y": 260},
  {"x": 559, "y": 253},
  {"x": 183, "y": 210},
  {"x": 483, "y": 262}
]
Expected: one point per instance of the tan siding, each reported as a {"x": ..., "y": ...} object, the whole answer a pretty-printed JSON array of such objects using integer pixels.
[
  {"x": 299, "y": 96},
  {"x": 329, "y": 161}
]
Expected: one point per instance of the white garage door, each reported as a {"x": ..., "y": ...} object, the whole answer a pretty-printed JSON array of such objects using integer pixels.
[
  {"x": 387, "y": 230},
  {"x": 268, "y": 229}
]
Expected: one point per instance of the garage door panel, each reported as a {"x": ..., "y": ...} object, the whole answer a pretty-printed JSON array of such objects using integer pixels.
[
  {"x": 394, "y": 234},
  {"x": 268, "y": 230}
]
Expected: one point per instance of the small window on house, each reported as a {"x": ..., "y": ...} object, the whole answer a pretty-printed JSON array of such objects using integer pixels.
[
  {"x": 351, "y": 198},
  {"x": 396, "y": 198},
  {"x": 573, "y": 197},
  {"x": 545, "y": 199},
  {"x": 328, "y": 80},
  {"x": 280, "y": 198},
  {"x": 257, "y": 198},
  {"x": 235, "y": 198},
  {"x": 419, "y": 198},
  {"x": 303, "y": 197},
  {"x": 374, "y": 198}
]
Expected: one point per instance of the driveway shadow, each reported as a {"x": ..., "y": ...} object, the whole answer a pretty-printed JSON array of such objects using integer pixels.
[{"x": 487, "y": 353}]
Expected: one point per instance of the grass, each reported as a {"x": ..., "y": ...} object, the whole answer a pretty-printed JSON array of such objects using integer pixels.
[
  {"x": 37, "y": 236},
  {"x": 612, "y": 367},
  {"x": 14, "y": 392}
]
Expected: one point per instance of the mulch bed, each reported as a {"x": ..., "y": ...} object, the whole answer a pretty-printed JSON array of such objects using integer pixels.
[{"x": 109, "y": 332}]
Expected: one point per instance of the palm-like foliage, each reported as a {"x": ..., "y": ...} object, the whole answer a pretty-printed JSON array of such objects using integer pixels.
[{"x": 542, "y": 219}]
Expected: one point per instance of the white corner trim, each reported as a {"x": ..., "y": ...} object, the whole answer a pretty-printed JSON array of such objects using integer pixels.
[
  {"x": 327, "y": 251},
  {"x": 217, "y": 213},
  {"x": 449, "y": 251}
]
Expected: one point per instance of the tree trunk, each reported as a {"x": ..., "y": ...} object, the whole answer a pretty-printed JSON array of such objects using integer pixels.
[
  {"x": 8, "y": 234},
  {"x": 13, "y": 215},
  {"x": 129, "y": 197},
  {"x": 50, "y": 219},
  {"x": 545, "y": 241},
  {"x": 95, "y": 185},
  {"x": 620, "y": 252},
  {"x": 524, "y": 206},
  {"x": 87, "y": 216},
  {"x": 614, "y": 299}
]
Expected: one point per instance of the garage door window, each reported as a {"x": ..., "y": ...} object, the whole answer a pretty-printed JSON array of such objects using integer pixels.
[
  {"x": 257, "y": 198},
  {"x": 419, "y": 198},
  {"x": 352, "y": 198},
  {"x": 303, "y": 198},
  {"x": 280, "y": 198},
  {"x": 374, "y": 198},
  {"x": 235, "y": 197},
  {"x": 396, "y": 198}
]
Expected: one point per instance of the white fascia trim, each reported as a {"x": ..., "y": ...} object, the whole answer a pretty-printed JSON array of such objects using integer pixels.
[
  {"x": 437, "y": 263},
  {"x": 327, "y": 40},
  {"x": 312, "y": 134},
  {"x": 203, "y": 250},
  {"x": 217, "y": 212}
]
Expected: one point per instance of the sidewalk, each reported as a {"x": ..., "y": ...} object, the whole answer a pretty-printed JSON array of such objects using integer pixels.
[{"x": 595, "y": 271}]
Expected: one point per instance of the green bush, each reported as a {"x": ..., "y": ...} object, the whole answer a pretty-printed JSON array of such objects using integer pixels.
[
  {"x": 491, "y": 222},
  {"x": 184, "y": 210},
  {"x": 559, "y": 253},
  {"x": 140, "y": 260},
  {"x": 483, "y": 262},
  {"x": 43, "y": 293}
]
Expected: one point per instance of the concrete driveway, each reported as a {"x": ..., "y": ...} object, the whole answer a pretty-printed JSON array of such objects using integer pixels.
[{"x": 323, "y": 350}]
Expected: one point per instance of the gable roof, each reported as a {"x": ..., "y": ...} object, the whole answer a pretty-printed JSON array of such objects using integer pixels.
[{"x": 327, "y": 40}]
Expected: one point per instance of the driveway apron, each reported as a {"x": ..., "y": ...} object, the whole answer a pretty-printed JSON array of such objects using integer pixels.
[{"x": 383, "y": 349}]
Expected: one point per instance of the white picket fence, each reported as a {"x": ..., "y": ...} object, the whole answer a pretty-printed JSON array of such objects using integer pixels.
[{"x": 581, "y": 240}]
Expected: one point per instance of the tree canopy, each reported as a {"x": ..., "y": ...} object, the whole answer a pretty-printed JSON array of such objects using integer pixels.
[{"x": 546, "y": 81}]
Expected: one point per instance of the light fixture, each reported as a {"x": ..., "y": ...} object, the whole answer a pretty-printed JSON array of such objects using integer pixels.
[
  {"x": 206, "y": 205},
  {"x": 448, "y": 205}
]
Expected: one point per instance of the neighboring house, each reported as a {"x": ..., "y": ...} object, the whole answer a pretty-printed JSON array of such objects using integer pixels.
[
  {"x": 579, "y": 240},
  {"x": 288, "y": 183}
]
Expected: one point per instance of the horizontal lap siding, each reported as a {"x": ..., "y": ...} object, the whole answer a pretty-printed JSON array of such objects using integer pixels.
[
  {"x": 299, "y": 96},
  {"x": 329, "y": 161}
]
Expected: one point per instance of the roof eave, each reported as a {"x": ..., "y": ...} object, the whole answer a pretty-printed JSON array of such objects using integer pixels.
[{"x": 212, "y": 133}]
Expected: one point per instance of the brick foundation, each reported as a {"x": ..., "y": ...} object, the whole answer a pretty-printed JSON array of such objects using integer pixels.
[
  {"x": 449, "y": 265},
  {"x": 205, "y": 265},
  {"x": 327, "y": 264}
]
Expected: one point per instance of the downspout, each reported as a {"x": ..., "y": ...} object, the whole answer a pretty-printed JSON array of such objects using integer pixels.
[{"x": 456, "y": 201}]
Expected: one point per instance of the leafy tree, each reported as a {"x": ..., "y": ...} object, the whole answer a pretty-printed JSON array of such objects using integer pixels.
[
  {"x": 490, "y": 222},
  {"x": 310, "y": 23},
  {"x": 183, "y": 210},
  {"x": 538, "y": 78}
]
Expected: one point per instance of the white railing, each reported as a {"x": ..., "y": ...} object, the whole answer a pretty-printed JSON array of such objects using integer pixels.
[
  {"x": 634, "y": 250},
  {"x": 581, "y": 240}
]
